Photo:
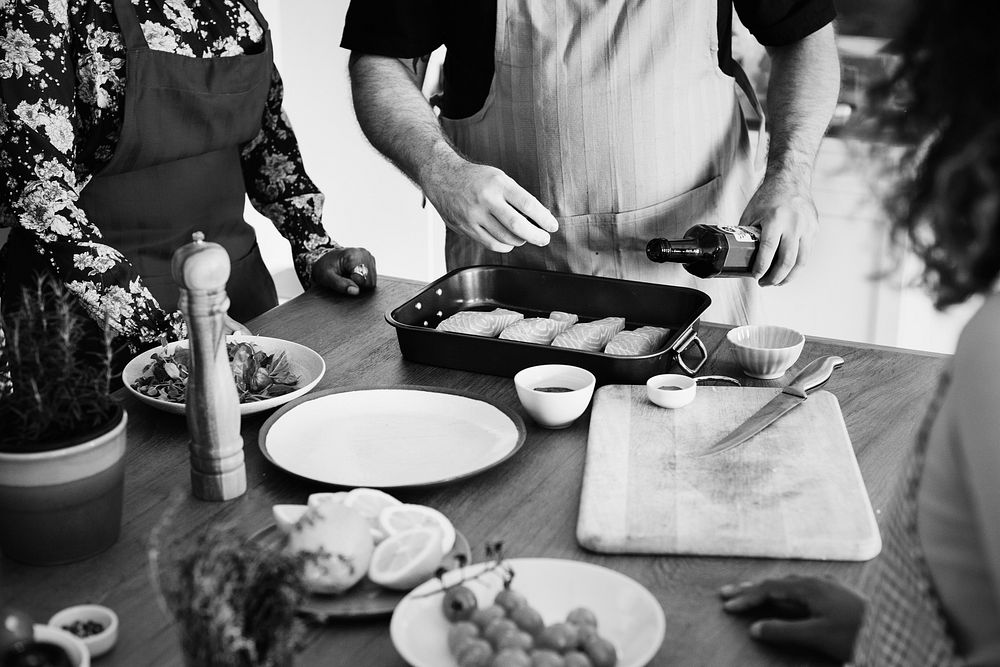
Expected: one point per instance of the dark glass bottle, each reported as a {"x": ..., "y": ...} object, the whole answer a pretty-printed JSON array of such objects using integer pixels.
[{"x": 707, "y": 251}]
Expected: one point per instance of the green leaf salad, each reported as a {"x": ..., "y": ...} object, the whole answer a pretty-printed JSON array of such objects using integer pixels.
[{"x": 258, "y": 375}]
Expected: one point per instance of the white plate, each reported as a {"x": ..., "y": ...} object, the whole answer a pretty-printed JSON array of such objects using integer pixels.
[
  {"x": 305, "y": 363},
  {"x": 627, "y": 613},
  {"x": 387, "y": 437}
]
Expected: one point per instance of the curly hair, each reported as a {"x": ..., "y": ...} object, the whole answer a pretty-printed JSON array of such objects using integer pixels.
[{"x": 945, "y": 200}]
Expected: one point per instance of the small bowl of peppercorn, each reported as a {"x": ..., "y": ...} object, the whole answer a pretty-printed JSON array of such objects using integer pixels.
[{"x": 96, "y": 626}]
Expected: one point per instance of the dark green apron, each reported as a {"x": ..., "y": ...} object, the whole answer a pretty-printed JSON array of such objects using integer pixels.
[{"x": 176, "y": 169}]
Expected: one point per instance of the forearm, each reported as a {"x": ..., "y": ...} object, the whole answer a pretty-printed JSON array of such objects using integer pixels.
[
  {"x": 396, "y": 117},
  {"x": 802, "y": 93}
]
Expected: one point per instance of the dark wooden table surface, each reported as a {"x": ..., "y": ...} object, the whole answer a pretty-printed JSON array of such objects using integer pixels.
[{"x": 530, "y": 502}]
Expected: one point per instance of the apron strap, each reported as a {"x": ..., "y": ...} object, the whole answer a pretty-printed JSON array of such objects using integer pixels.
[
  {"x": 254, "y": 10},
  {"x": 743, "y": 81},
  {"x": 129, "y": 23}
]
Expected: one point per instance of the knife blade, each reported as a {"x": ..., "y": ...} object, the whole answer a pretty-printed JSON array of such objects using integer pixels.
[{"x": 812, "y": 376}]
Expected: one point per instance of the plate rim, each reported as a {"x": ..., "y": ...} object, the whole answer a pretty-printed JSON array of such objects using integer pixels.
[
  {"x": 643, "y": 658},
  {"x": 513, "y": 416},
  {"x": 245, "y": 408}
]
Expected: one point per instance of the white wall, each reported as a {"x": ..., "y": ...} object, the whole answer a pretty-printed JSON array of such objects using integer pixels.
[{"x": 369, "y": 202}]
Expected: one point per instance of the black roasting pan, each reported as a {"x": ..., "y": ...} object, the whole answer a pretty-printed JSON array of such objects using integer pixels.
[{"x": 535, "y": 293}]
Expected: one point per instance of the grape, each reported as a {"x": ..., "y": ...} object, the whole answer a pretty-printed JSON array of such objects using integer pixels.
[
  {"x": 600, "y": 651},
  {"x": 475, "y": 653},
  {"x": 518, "y": 639},
  {"x": 459, "y": 604},
  {"x": 509, "y": 600},
  {"x": 511, "y": 657},
  {"x": 559, "y": 637},
  {"x": 459, "y": 633},
  {"x": 483, "y": 617},
  {"x": 546, "y": 658},
  {"x": 577, "y": 659},
  {"x": 498, "y": 629},
  {"x": 528, "y": 619},
  {"x": 582, "y": 616}
]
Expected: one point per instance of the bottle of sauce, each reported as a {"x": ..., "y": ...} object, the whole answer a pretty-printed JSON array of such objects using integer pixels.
[{"x": 708, "y": 251}]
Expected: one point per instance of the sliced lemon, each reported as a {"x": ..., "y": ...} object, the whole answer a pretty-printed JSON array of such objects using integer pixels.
[
  {"x": 406, "y": 559},
  {"x": 337, "y": 544},
  {"x": 285, "y": 516},
  {"x": 398, "y": 518},
  {"x": 370, "y": 503},
  {"x": 316, "y": 499}
]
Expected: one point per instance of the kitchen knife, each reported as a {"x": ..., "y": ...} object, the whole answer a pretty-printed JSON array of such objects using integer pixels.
[{"x": 812, "y": 376}]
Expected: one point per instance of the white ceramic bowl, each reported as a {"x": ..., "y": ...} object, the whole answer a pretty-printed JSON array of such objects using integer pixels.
[
  {"x": 99, "y": 643},
  {"x": 670, "y": 390},
  {"x": 78, "y": 654},
  {"x": 555, "y": 409},
  {"x": 766, "y": 352}
]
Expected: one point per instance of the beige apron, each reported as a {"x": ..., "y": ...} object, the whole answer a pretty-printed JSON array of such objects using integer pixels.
[{"x": 616, "y": 116}]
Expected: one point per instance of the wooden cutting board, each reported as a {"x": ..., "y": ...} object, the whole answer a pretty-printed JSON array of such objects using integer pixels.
[{"x": 792, "y": 491}]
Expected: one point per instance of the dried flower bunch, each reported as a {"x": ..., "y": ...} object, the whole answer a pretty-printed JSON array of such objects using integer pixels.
[
  {"x": 55, "y": 371},
  {"x": 235, "y": 600}
]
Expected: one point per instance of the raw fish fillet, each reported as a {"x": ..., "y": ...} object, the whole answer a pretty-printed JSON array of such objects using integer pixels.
[
  {"x": 535, "y": 329},
  {"x": 563, "y": 317},
  {"x": 612, "y": 324},
  {"x": 644, "y": 340},
  {"x": 480, "y": 323},
  {"x": 590, "y": 336}
]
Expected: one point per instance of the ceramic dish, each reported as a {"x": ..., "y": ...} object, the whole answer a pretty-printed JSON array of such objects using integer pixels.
[
  {"x": 766, "y": 352},
  {"x": 98, "y": 643},
  {"x": 364, "y": 599},
  {"x": 78, "y": 654},
  {"x": 670, "y": 390},
  {"x": 305, "y": 363},
  {"x": 627, "y": 614},
  {"x": 554, "y": 394},
  {"x": 390, "y": 437}
]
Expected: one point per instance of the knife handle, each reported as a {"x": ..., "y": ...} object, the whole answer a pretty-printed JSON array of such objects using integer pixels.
[{"x": 812, "y": 376}]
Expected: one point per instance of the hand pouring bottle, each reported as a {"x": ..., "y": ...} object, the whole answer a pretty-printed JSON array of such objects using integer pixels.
[{"x": 708, "y": 251}]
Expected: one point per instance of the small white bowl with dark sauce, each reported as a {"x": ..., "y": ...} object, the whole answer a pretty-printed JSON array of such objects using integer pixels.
[
  {"x": 670, "y": 390},
  {"x": 555, "y": 395}
]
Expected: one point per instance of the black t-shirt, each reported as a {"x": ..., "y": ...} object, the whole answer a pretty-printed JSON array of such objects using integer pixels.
[{"x": 413, "y": 28}]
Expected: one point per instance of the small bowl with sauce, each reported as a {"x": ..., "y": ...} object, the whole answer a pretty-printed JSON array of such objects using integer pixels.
[
  {"x": 555, "y": 395},
  {"x": 94, "y": 625},
  {"x": 670, "y": 390}
]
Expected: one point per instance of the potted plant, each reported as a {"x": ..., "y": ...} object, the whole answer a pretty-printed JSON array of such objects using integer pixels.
[
  {"x": 234, "y": 598},
  {"x": 62, "y": 439}
]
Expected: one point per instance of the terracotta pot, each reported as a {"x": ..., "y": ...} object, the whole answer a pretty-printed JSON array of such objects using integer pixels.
[{"x": 65, "y": 504}]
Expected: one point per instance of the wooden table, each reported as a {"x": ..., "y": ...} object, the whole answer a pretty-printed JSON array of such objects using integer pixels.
[{"x": 529, "y": 502}]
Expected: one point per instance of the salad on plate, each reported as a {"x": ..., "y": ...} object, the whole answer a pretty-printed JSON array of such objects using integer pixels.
[{"x": 258, "y": 375}]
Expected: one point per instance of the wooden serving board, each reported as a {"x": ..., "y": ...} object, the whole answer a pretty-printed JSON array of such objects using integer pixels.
[{"x": 792, "y": 491}]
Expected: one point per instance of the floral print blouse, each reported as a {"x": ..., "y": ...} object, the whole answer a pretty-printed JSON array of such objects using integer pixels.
[{"x": 62, "y": 88}]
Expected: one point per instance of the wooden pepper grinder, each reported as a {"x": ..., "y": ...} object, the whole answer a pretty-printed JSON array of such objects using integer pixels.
[{"x": 201, "y": 270}]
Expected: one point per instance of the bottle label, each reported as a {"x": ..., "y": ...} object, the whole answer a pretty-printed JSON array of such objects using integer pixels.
[{"x": 742, "y": 233}]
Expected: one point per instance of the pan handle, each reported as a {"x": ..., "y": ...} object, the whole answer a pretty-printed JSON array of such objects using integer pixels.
[{"x": 704, "y": 354}]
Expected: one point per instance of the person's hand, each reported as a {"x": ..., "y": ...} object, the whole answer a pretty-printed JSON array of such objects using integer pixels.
[
  {"x": 346, "y": 270},
  {"x": 231, "y": 326},
  {"x": 813, "y": 613},
  {"x": 783, "y": 208},
  {"x": 487, "y": 205}
]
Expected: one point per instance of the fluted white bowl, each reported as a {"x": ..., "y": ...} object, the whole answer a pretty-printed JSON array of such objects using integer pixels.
[{"x": 766, "y": 352}]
